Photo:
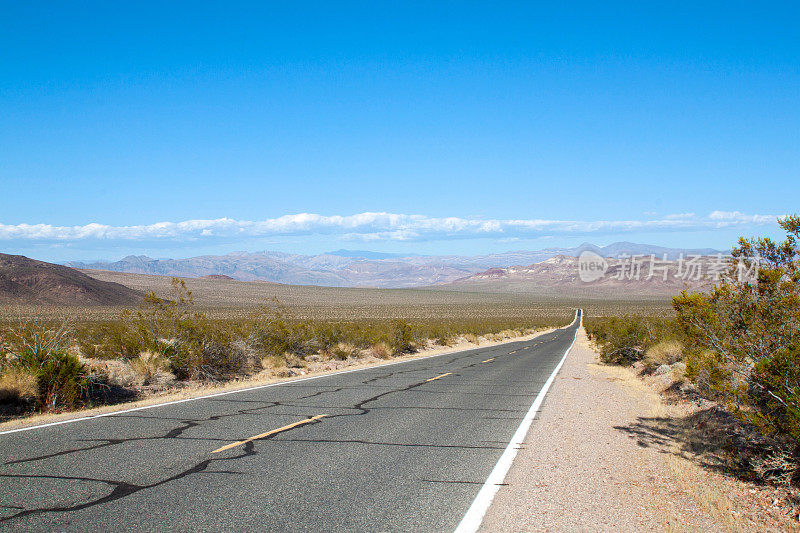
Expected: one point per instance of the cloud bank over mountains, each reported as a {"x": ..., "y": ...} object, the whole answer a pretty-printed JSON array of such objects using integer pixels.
[{"x": 374, "y": 227}]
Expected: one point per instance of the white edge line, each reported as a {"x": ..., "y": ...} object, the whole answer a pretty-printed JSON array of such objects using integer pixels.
[
  {"x": 235, "y": 391},
  {"x": 474, "y": 517}
]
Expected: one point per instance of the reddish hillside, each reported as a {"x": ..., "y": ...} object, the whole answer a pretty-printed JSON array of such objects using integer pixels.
[
  {"x": 558, "y": 276},
  {"x": 25, "y": 281}
]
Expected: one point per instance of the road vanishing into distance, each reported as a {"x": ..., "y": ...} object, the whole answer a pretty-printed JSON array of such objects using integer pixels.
[{"x": 400, "y": 447}]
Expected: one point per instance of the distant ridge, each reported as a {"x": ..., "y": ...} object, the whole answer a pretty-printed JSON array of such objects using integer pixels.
[
  {"x": 358, "y": 268},
  {"x": 27, "y": 281},
  {"x": 559, "y": 276},
  {"x": 363, "y": 254}
]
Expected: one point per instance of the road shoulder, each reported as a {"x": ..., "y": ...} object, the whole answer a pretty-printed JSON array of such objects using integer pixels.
[{"x": 580, "y": 470}]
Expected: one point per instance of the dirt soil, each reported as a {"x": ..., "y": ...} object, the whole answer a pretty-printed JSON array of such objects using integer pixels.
[{"x": 603, "y": 456}]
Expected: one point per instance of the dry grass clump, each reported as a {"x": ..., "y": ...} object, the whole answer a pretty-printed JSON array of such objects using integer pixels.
[
  {"x": 152, "y": 367},
  {"x": 445, "y": 340},
  {"x": 472, "y": 337},
  {"x": 278, "y": 364},
  {"x": 18, "y": 384},
  {"x": 344, "y": 350},
  {"x": 666, "y": 352},
  {"x": 113, "y": 371},
  {"x": 381, "y": 350},
  {"x": 272, "y": 362}
]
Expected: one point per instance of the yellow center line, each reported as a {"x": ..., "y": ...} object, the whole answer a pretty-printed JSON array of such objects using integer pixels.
[
  {"x": 438, "y": 377},
  {"x": 268, "y": 433},
  {"x": 492, "y": 359},
  {"x": 509, "y": 353}
]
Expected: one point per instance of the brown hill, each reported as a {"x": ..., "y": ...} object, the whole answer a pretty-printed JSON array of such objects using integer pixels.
[{"x": 27, "y": 281}]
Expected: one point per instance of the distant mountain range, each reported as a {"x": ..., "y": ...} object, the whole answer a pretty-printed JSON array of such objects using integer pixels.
[
  {"x": 558, "y": 276},
  {"x": 349, "y": 268}
]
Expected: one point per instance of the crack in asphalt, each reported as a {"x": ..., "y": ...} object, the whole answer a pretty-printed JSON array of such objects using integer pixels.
[
  {"x": 123, "y": 489},
  {"x": 400, "y": 444}
]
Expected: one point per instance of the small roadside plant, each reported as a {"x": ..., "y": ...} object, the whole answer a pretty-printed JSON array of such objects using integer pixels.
[{"x": 39, "y": 351}]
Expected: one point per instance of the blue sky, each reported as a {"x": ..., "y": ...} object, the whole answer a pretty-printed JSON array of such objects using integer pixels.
[{"x": 462, "y": 127}]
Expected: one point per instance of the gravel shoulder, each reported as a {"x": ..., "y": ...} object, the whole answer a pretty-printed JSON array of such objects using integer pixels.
[{"x": 585, "y": 466}]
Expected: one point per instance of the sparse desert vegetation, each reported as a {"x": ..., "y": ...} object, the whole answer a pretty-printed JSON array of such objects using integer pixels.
[{"x": 171, "y": 341}]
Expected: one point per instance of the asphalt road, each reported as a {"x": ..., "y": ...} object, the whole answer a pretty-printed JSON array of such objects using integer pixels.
[{"x": 396, "y": 451}]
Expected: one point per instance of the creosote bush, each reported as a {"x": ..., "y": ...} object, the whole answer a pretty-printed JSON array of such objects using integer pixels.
[
  {"x": 623, "y": 340},
  {"x": 741, "y": 342},
  {"x": 749, "y": 334}
]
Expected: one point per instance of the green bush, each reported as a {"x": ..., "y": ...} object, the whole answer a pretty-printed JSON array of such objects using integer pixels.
[
  {"x": 402, "y": 340},
  {"x": 623, "y": 340},
  {"x": 750, "y": 333},
  {"x": 63, "y": 381},
  {"x": 781, "y": 412}
]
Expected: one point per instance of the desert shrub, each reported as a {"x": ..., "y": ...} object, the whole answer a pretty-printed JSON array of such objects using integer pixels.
[
  {"x": 195, "y": 347},
  {"x": 38, "y": 348},
  {"x": 745, "y": 344},
  {"x": 752, "y": 331},
  {"x": 775, "y": 464},
  {"x": 62, "y": 380},
  {"x": 273, "y": 332},
  {"x": 778, "y": 411},
  {"x": 402, "y": 340},
  {"x": 622, "y": 340},
  {"x": 708, "y": 373},
  {"x": 110, "y": 340}
]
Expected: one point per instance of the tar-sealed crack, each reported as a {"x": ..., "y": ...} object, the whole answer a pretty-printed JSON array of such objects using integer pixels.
[{"x": 123, "y": 489}]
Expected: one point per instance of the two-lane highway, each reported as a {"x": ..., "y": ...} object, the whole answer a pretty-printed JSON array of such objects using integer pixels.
[{"x": 399, "y": 447}]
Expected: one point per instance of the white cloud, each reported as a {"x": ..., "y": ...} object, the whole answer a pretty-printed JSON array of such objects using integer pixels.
[
  {"x": 373, "y": 227},
  {"x": 735, "y": 217}
]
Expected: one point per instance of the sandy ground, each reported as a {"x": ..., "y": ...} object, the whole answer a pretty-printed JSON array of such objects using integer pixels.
[
  {"x": 586, "y": 466},
  {"x": 195, "y": 390}
]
